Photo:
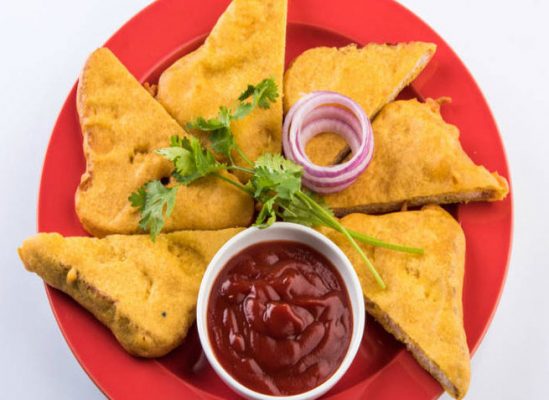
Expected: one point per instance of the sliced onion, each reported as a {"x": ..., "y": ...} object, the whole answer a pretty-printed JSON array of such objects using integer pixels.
[{"x": 325, "y": 111}]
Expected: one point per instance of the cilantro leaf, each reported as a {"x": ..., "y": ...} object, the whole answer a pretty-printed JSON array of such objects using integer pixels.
[
  {"x": 263, "y": 94},
  {"x": 222, "y": 141},
  {"x": 223, "y": 120},
  {"x": 138, "y": 198},
  {"x": 206, "y": 125},
  {"x": 267, "y": 93},
  {"x": 221, "y": 136},
  {"x": 224, "y": 116},
  {"x": 267, "y": 215},
  {"x": 190, "y": 159},
  {"x": 180, "y": 157},
  {"x": 242, "y": 111},
  {"x": 274, "y": 173},
  {"x": 275, "y": 183},
  {"x": 155, "y": 203},
  {"x": 250, "y": 90}
]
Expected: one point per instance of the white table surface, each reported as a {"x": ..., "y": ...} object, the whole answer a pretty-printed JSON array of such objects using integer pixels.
[{"x": 43, "y": 45}]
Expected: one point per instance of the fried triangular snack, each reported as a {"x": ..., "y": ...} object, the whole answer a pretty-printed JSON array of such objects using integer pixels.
[
  {"x": 122, "y": 125},
  {"x": 372, "y": 76},
  {"x": 246, "y": 46},
  {"x": 144, "y": 292},
  {"x": 422, "y": 304},
  {"x": 417, "y": 160}
]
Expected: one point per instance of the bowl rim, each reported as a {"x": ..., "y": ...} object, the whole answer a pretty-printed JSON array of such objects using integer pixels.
[{"x": 344, "y": 267}]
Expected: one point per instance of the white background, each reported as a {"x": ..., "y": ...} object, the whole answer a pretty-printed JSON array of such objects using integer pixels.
[{"x": 43, "y": 45}]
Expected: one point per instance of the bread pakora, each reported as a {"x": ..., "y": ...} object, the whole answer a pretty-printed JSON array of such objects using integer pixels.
[
  {"x": 145, "y": 292},
  {"x": 422, "y": 304},
  {"x": 246, "y": 46},
  {"x": 372, "y": 76},
  {"x": 417, "y": 160},
  {"x": 122, "y": 126}
]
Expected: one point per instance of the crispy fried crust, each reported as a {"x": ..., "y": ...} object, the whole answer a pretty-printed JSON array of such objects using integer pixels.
[
  {"x": 417, "y": 160},
  {"x": 122, "y": 125},
  {"x": 422, "y": 304},
  {"x": 372, "y": 76},
  {"x": 246, "y": 46},
  {"x": 144, "y": 292}
]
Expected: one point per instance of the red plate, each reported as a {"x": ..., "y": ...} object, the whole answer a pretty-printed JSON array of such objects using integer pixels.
[{"x": 168, "y": 29}]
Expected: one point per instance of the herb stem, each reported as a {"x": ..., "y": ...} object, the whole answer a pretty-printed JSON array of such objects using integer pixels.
[
  {"x": 234, "y": 183},
  {"x": 335, "y": 224},
  {"x": 242, "y": 155},
  {"x": 361, "y": 237},
  {"x": 243, "y": 169}
]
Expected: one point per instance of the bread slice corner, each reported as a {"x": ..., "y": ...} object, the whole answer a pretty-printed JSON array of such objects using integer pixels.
[{"x": 144, "y": 292}]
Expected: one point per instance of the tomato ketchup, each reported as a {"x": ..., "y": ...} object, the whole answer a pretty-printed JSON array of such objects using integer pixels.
[{"x": 279, "y": 318}]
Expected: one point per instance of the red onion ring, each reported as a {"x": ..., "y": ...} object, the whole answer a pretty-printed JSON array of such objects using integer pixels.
[{"x": 325, "y": 111}]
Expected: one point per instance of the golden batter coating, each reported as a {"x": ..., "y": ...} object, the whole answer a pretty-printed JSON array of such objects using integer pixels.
[
  {"x": 422, "y": 304},
  {"x": 417, "y": 160},
  {"x": 122, "y": 126},
  {"x": 144, "y": 292},
  {"x": 246, "y": 46},
  {"x": 372, "y": 76}
]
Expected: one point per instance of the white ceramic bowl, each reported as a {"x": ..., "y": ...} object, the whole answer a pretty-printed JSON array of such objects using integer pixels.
[{"x": 288, "y": 232}]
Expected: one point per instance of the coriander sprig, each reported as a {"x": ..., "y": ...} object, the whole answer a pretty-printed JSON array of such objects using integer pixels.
[
  {"x": 156, "y": 203},
  {"x": 275, "y": 182},
  {"x": 221, "y": 137}
]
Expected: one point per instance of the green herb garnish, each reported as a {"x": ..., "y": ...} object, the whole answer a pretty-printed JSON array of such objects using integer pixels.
[
  {"x": 191, "y": 161},
  {"x": 275, "y": 182},
  {"x": 156, "y": 202},
  {"x": 221, "y": 137}
]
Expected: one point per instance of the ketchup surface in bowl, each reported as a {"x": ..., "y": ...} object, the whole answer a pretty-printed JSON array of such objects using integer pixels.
[{"x": 279, "y": 318}]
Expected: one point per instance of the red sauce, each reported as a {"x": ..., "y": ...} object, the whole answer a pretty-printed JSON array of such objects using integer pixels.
[{"x": 279, "y": 318}]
